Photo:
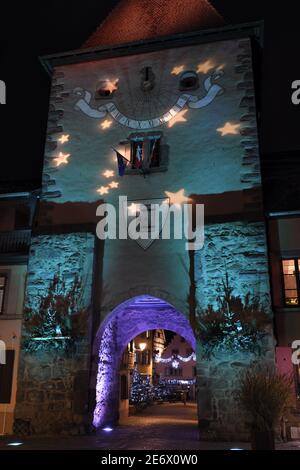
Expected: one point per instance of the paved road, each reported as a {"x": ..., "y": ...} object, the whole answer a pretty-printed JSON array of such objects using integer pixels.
[{"x": 171, "y": 426}]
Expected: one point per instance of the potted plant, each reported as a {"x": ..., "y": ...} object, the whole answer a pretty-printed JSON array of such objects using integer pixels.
[{"x": 263, "y": 393}]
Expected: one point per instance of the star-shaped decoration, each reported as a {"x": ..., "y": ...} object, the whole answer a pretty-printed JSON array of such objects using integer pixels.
[
  {"x": 133, "y": 208},
  {"x": 106, "y": 124},
  {"x": 177, "y": 198},
  {"x": 179, "y": 117},
  {"x": 229, "y": 129},
  {"x": 64, "y": 138},
  {"x": 114, "y": 184},
  {"x": 103, "y": 190},
  {"x": 108, "y": 173},
  {"x": 61, "y": 158},
  {"x": 111, "y": 85},
  {"x": 205, "y": 67},
  {"x": 177, "y": 70}
]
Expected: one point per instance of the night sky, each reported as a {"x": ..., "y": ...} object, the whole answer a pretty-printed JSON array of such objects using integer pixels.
[{"x": 30, "y": 29}]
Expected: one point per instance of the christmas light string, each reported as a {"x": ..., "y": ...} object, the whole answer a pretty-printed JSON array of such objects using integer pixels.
[{"x": 175, "y": 357}]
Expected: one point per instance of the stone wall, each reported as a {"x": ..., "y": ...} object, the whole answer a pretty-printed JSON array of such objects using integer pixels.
[
  {"x": 238, "y": 249},
  {"x": 217, "y": 380},
  {"x": 53, "y": 381}
]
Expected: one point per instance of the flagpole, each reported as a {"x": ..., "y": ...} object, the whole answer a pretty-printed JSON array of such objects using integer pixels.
[{"x": 120, "y": 154}]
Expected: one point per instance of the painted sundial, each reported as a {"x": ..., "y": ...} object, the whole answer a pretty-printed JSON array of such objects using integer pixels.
[
  {"x": 190, "y": 100},
  {"x": 153, "y": 95}
]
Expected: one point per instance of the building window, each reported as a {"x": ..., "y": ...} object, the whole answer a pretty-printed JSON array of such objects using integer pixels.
[
  {"x": 3, "y": 285},
  {"x": 146, "y": 358},
  {"x": 291, "y": 280},
  {"x": 172, "y": 372},
  {"x": 145, "y": 153},
  {"x": 6, "y": 377},
  {"x": 189, "y": 81}
]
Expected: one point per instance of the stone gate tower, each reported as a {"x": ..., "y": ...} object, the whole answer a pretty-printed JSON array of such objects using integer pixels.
[{"x": 183, "y": 105}]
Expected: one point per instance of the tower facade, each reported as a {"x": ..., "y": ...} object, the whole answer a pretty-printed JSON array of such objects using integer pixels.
[{"x": 169, "y": 122}]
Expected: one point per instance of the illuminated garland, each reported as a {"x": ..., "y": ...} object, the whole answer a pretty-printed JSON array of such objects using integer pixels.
[
  {"x": 175, "y": 357},
  {"x": 177, "y": 381}
]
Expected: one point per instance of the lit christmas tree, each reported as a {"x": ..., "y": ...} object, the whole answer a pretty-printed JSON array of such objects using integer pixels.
[{"x": 141, "y": 388}]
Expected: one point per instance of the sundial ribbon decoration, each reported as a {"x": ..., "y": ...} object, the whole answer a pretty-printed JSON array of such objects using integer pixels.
[{"x": 212, "y": 90}]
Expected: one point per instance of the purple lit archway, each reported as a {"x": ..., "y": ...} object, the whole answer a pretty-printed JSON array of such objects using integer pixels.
[{"x": 124, "y": 323}]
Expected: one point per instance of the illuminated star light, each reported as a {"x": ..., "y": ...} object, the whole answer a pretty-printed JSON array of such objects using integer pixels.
[
  {"x": 229, "y": 129},
  {"x": 109, "y": 173},
  {"x": 114, "y": 184},
  {"x": 179, "y": 117},
  {"x": 177, "y": 70},
  {"x": 103, "y": 190},
  {"x": 64, "y": 138},
  {"x": 133, "y": 208},
  {"x": 177, "y": 198},
  {"x": 106, "y": 124},
  {"x": 62, "y": 158},
  {"x": 111, "y": 85},
  {"x": 205, "y": 67}
]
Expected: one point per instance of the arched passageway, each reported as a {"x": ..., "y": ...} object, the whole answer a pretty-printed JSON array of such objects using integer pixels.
[{"x": 124, "y": 323}]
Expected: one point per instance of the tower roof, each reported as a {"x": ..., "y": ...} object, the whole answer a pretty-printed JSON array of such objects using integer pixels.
[{"x": 136, "y": 20}]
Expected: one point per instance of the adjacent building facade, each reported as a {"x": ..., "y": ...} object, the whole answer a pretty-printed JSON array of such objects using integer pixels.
[
  {"x": 17, "y": 211},
  {"x": 176, "y": 366}
]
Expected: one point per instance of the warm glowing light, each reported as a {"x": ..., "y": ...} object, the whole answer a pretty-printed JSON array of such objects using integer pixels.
[
  {"x": 229, "y": 129},
  {"x": 103, "y": 190},
  {"x": 114, "y": 185},
  {"x": 205, "y": 67},
  {"x": 177, "y": 198},
  {"x": 133, "y": 208},
  {"x": 221, "y": 67},
  {"x": 64, "y": 138},
  {"x": 108, "y": 173},
  {"x": 61, "y": 158},
  {"x": 177, "y": 70},
  {"x": 178, "y": 118},
  {"x": 143, "y": 346},
  {"x": 106, "y": 124},
  {"x": 111, "y": 85}
]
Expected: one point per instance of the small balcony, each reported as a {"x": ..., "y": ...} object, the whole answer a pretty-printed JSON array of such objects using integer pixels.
[{"x": 15, "y": 242}]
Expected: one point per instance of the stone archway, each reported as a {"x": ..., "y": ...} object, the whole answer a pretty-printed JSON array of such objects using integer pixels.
[{"x": 124, "y": 323}]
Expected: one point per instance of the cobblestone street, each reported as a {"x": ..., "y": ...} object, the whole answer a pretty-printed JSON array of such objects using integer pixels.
[{"x": 171, "y": 426}]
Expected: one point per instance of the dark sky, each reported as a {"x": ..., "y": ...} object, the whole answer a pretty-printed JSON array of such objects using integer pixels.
[{"x": 29, "y": 29}]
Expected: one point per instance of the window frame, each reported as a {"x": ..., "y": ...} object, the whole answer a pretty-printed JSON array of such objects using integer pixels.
[
  {"x": 7, "y": 372},
  {"x": 142, "y": 136},
  {"x": 296, "y": 260},
  {"x": 3, "y": 303}
]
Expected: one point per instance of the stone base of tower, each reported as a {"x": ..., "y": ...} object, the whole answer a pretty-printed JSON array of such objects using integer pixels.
[
  {"x": 53, "y": 393},
  {"x": 219, "y": 415}
]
